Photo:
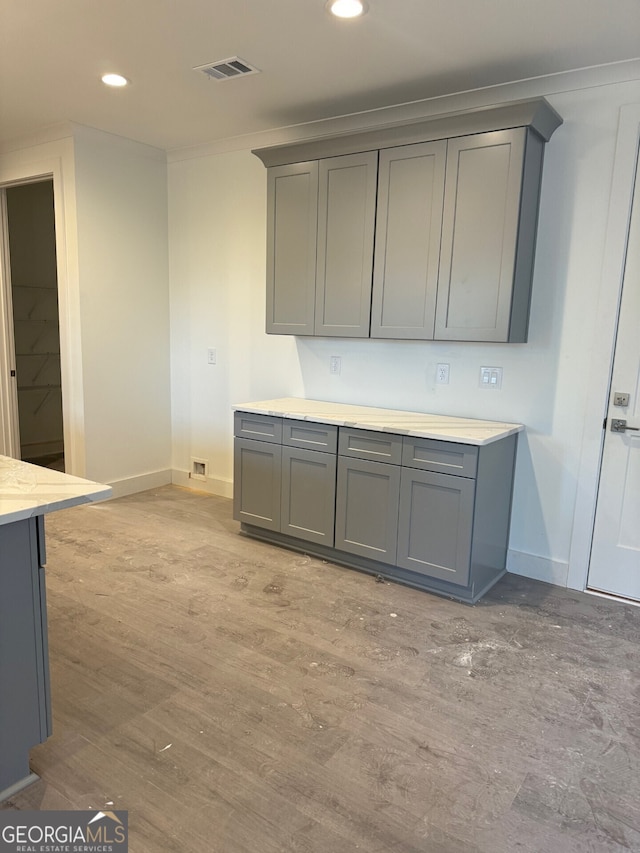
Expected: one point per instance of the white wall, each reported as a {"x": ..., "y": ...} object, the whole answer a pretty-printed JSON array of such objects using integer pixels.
[
  {"x": 121, "y": 197},
  {"x": 217, "y": 206},
  {"x": 217, "y": 268}
]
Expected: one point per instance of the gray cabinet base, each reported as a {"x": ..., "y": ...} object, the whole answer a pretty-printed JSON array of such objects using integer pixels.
[
  {"x": 14, "y": 789},
  {"x": 25, "y": 708},
  {"x": 483, "y": 577}
]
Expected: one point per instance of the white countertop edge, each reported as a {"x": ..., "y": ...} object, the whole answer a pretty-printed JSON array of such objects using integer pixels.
[
  {"x": 42, "y": 507},
  {"x": 452, "y": 428},
  {"x": 28, "y": 490}
]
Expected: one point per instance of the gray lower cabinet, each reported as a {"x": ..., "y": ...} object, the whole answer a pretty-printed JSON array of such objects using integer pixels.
[
  {"x": 435, "y": 525},
  {"x": 308, "y": 494},
  {"x": 429, "y": 513},
  {"x": 257, "y": 478},
  {"x": 25, "y": 711},
  {"x": 367, "y": 508},
  {"x": 285, "y": 481}
]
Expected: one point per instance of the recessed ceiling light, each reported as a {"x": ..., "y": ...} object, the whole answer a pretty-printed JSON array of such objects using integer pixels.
[
  {"x": 114, "y": 80},
  {"x": 347, "y": 8}
]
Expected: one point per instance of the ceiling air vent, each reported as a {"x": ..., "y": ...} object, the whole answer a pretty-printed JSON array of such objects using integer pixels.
[{"x": 226, "y": 69}]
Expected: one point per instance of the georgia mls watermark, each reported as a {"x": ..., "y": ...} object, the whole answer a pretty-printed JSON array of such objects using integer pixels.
[{"x": 64, "y": 832}]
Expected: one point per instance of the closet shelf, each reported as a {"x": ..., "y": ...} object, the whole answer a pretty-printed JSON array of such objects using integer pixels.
[
  {"x": 39, "y": 388},
  {"x": 53, "y": 289}
]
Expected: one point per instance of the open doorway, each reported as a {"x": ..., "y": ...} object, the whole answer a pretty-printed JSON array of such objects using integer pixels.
[{"x": 32, "y": 287}]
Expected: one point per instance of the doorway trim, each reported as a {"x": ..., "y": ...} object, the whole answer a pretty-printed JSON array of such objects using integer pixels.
[
  {"x": 603, "y": 349},
  {"x": 9, "y": 427},
  {"x": 55, "y": 161}
]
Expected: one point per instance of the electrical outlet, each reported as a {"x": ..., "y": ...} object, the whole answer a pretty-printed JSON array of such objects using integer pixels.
[
  {"x": 442, "y": 374},
  {"x": 335, "y": 364},
  {"x": 212, "y": 356},
  {"x": 491, "y": 378}
]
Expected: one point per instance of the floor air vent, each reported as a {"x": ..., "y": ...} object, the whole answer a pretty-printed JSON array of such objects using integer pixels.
[{"x": 227, "y": 69}]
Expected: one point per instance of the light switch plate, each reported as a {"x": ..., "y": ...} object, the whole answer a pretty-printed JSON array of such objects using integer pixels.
[{"x": 491, "y": 378}]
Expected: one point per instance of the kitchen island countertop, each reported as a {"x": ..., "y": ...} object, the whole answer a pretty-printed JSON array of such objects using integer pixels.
[{"x": 27, "y": 490}]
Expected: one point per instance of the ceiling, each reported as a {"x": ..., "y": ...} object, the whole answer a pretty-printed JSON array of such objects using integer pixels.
[{"x": 313, "y": 66}]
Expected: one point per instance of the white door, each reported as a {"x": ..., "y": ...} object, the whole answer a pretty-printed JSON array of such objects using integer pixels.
[{"x": 615, "y": 555}]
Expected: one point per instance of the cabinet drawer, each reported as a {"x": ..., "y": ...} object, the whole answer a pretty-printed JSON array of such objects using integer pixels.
[
  {"x": 257, "y": 427},
  {"x": 310, "y": 435},
  {"x": 368, "y": 444},
  {"x": 444, "y": 457}
]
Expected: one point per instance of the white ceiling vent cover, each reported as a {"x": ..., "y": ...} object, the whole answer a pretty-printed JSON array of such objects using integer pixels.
[{"x": 227, "y": 69}]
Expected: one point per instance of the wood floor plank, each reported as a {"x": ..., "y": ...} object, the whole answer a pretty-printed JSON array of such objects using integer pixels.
[{"x": 311, "y": 709}]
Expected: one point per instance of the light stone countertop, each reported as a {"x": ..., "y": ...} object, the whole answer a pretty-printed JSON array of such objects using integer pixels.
[
  {"x": 422, "y": 425},
  {"x": 27, "y": 490}
]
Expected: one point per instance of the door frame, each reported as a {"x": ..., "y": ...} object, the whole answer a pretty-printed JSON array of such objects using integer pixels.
[
  {"x": 9, "y": 423},
  {"x": 55, "y": 160},
  {"x": 603, "y": 350}
]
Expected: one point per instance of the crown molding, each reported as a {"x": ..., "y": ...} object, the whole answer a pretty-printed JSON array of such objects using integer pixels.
[{"x": 535, "y": 87}]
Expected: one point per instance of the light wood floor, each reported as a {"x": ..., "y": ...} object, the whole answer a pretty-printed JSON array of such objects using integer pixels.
[{"x": 239, "y": 698}]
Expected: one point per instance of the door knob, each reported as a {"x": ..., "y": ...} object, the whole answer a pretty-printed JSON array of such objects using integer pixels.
[{"x": 620, "y": 425}]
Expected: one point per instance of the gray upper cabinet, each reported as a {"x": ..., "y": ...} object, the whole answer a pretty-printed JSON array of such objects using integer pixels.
[
  {"x": 292, "y": 218},
  {"x": 346, "y": 222},
  {"x": 488, "y": 233},
  {"x": 407, "y": 248},
  {"x": 442, "y": 250}
]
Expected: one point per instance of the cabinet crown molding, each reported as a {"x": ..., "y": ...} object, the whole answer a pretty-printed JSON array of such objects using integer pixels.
[{"x": 535, "y": 113}]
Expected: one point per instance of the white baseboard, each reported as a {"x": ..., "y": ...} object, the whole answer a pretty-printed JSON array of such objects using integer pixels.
[
  {"x": 221, "y": 488},
  {"x": 538, "y": 568},
  {"x": 141, "y": 483}
]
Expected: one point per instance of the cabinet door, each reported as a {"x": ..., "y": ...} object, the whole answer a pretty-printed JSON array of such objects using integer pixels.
[
  {"x": 256, "y": 483},
  {"x": 292, "y": 217},
  {"x": 479, "y": 235},
  {"x": 308, "y": 494},
  {"x": 346, "y": 221},
  {"x": 407, "y": 249},
  {"x": 24, "y": 697},
  {"x": 367, "y": 508},
  {"x": 435, "y": 525}
]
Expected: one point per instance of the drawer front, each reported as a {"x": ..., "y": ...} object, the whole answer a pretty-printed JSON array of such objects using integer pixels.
[
  {"x": 257, "y": 427},
  {"x": 369, "y": 444},
  {"x": 443, "y": 457},
  {"x": 313, "y": 436}
]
